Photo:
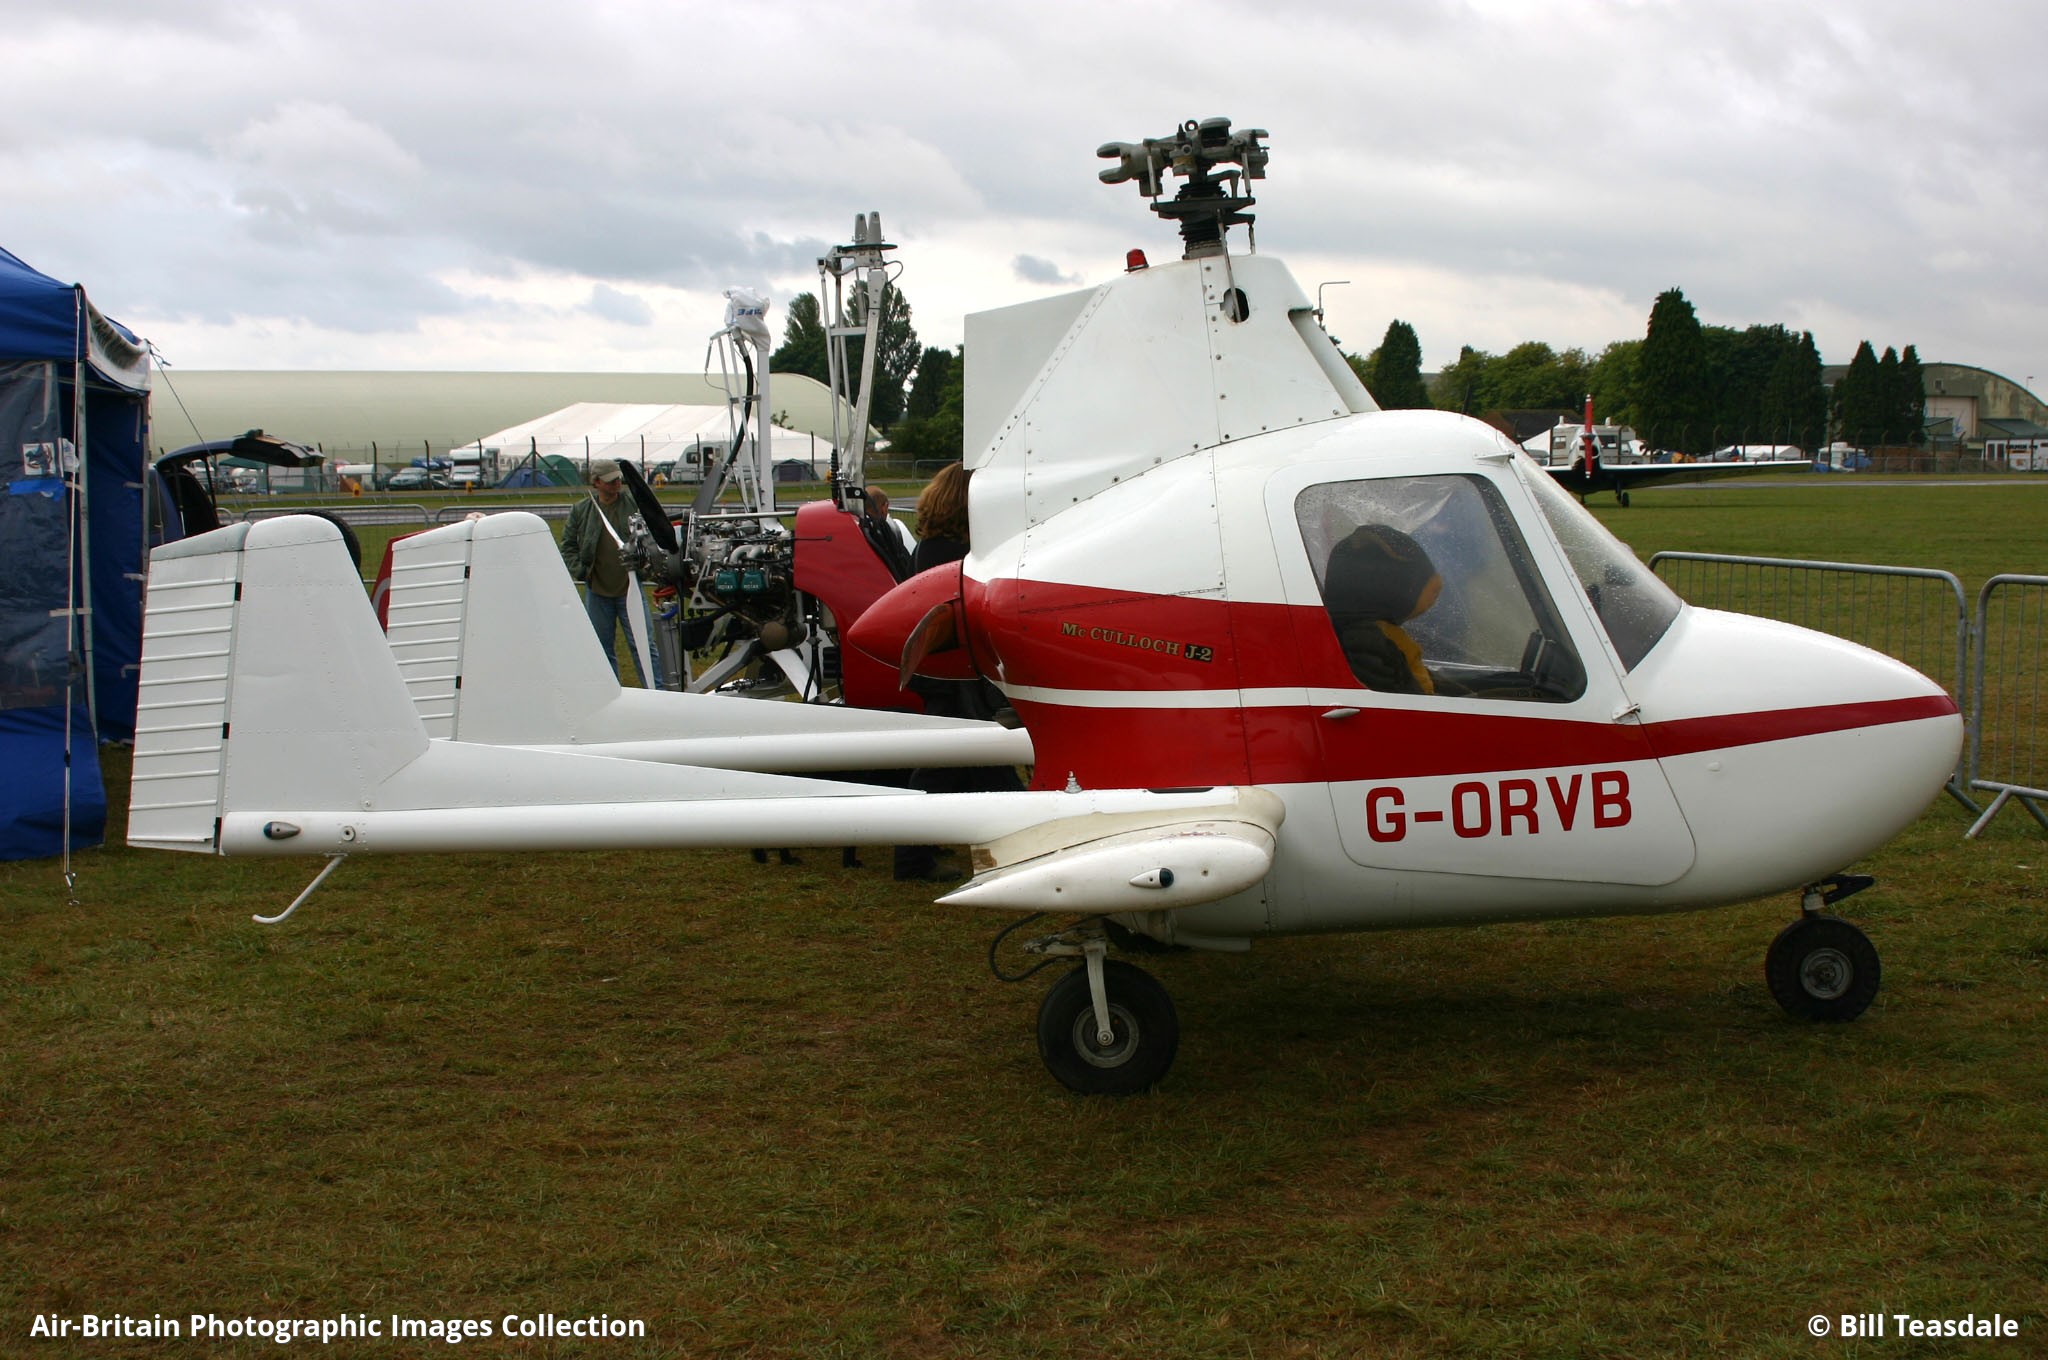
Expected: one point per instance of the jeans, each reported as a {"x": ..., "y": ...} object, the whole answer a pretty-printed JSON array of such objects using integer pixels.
[{"x": 609, "y": 613}]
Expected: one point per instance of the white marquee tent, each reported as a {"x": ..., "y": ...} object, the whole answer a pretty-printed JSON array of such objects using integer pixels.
[{"x": 644, "y": 433}]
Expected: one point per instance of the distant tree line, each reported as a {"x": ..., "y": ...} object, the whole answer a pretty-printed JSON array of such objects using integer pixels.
[
  {"x": 1682, "y": 386},
  {"x": 1881, "y": 401}
]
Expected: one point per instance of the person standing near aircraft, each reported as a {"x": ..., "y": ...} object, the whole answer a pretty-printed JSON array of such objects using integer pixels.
[
  {"x": 942, "y": 519},
  {"x": 590, "y": 546},
  {"x": 876, "y": 506},
  {"x": 942, "y": 539}
]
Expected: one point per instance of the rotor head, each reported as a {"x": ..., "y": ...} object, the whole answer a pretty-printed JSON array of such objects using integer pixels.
[{"x": 1213, "y": 162}]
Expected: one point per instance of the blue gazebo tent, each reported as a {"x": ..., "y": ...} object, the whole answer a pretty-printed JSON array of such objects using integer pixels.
[{"x": 74, "y": 426}]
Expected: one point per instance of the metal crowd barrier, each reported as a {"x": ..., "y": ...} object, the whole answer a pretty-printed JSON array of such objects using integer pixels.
[
  {"x": 379, "y": 512},
  {"x": 1913, "y": 614},
  {"x": 357, "y": 513},
  {"x": 2005, "y": 692}
]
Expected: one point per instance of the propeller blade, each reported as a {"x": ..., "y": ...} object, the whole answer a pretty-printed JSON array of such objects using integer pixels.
[
  {"x": 649, "y": 505},
  {"x": 937, "y": 631}
]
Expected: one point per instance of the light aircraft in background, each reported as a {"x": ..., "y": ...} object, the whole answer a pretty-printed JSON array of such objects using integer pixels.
[
  {"x": 1589, "y": 471},
  {"x": 1288, "y": 665}
]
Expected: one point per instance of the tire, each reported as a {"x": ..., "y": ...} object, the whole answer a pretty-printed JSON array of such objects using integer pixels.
[
  {"x": 1822, "y": 968},
  {"x": 1141, "y": 1016}
]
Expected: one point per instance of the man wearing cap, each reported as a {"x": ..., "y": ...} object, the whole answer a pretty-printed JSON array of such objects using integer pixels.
[{"x": 590, "y": 547}]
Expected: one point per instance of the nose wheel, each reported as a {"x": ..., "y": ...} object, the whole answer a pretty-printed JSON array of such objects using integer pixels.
[{"x": 1820, "y": 967}]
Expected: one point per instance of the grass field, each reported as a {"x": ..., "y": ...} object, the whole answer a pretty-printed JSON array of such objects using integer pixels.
[{"x": 784, "y": 1110}]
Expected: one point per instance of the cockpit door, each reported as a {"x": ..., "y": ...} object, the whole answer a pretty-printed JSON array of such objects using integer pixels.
[{"x": 1470, "y": 719}]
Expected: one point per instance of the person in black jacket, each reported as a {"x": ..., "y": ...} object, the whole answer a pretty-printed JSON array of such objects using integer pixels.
[{"x": 941, "y": 539}]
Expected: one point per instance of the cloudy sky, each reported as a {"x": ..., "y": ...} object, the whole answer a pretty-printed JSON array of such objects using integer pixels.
[{"x": 537, "y": 185}]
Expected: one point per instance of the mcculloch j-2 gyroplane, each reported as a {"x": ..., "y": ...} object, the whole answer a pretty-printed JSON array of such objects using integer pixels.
[{"x": 1288, "y": 664}]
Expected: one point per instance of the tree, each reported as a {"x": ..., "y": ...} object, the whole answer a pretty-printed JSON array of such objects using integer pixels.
[
  {"x": 803, "y": 341},
  {"x": 1912, "y": 396},
  {"x": 1395, "y": 371},
  {"x": 1814, "y": 429},
  {"x": 936, "y": 436},
  {"x": 1888, "y": 401},
  {"x": 934, "y": 370},
  {"x": 1534, "y": 377},
  {"x": 1612, "y": 381},
  {"x": 896, "y": 356},
  {"x": 1462, "y": 386},
  {"x": 803, "y": 351},
  {"x": 1670, "y": 377},
  {"x": 1859, "y": 400}
]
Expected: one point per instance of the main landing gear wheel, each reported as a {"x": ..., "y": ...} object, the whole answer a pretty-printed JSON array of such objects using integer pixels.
[
  {"x": 1822, "y": 968},
  {"x": 1144, "y": 1032}
]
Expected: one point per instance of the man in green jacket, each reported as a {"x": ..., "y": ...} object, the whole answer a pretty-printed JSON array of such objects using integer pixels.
[{"x": 590, "y": 546}]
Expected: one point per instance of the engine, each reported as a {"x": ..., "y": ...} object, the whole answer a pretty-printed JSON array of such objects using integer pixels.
[
  {"x": 737, "y": 566},
  {"x": 745, "y": 567}
]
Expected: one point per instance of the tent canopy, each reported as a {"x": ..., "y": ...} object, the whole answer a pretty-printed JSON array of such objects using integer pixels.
[
  {"x": 641, "y": 432},
  {"x": 41, "y": 318},
  {"x": 74, "y": 411}
]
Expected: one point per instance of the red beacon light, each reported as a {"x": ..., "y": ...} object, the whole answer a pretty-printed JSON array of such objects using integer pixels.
[{"x": 1134, "y": 260}]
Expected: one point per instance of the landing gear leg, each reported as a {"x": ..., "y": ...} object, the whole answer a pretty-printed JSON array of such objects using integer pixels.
[
  {"x": 1106, "y": 1028},
  {"x": 1820, "y": 967}
]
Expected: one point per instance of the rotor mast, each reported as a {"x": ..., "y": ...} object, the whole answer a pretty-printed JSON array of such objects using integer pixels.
[{"x": 853, "y": 282}]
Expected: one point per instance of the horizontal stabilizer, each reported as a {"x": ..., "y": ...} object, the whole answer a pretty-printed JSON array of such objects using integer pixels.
[{"x": 495, "y": 648}]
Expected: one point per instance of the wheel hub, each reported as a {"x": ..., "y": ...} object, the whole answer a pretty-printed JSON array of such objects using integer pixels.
[
  {"x": 1826, "y": 974},
  {"x": 1121, "y": 1047}
]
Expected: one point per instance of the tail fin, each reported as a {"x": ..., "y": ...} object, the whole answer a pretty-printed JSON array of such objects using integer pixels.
[
  {"x": 490, "y": 634},
  {"x": 260, "y": 635}
]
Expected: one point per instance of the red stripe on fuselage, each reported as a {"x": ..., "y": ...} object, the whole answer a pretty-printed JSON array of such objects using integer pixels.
[
  {"x": 1054, "y": 636},
  {"x": 1170, "y": 747}
]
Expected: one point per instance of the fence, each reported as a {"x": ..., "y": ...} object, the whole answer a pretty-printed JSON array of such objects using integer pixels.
[
  {"x": 406, "y": 512},
  {"x": 2005, "y": 691},
  {"x": 1990, "y": 664}
]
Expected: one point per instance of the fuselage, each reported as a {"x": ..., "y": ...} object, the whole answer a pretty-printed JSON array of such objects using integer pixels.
[{"x": 1172, "y": 631}]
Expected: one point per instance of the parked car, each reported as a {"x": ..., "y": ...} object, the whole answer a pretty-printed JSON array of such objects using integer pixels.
[{"x": 418, "y": 479}]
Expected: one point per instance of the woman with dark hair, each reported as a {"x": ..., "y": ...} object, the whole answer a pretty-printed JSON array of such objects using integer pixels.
[{"x": 942, "y": 519}]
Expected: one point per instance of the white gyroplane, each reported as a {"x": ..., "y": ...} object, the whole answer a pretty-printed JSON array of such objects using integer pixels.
[{"x": 1287, "y": 664}]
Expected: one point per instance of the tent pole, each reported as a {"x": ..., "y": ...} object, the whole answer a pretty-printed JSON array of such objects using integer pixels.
[{"x": 83, "y": 620}]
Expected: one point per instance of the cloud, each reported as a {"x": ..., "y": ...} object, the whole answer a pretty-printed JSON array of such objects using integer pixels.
[
  {"x": 325, "y": 170},
  {"x": 1032, "y": 269},
  {"x": 626, "y": 309}
]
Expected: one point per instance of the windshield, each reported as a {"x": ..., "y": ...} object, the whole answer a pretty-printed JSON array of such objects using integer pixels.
[
  {"x": 1634, "y": 606},
  {"x": 1431, "y": 590}
]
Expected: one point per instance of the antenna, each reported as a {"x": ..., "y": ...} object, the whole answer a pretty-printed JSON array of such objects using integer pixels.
[{"x": 1213, "y": 160}]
